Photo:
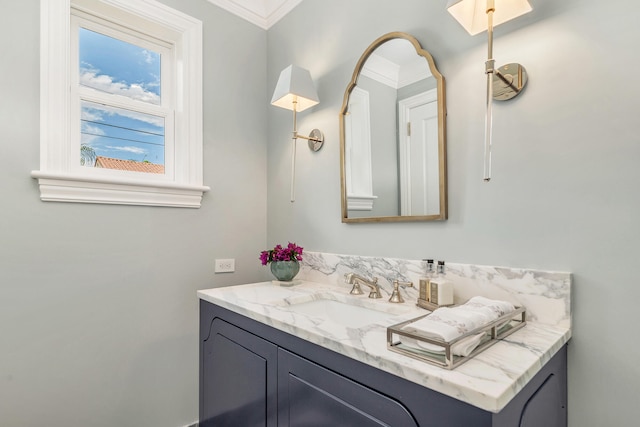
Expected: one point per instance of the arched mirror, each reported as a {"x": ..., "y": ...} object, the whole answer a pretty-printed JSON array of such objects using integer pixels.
[{"x": 392, "y": 135}]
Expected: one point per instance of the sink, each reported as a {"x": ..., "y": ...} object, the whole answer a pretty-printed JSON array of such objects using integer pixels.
[{"x": 343, "y": 313}]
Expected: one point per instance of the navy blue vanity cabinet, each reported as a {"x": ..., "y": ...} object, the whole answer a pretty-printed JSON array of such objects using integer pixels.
[
  {"x": 311, "y": 395},
  {"x": 254, "y": 375},
  {"x": 237, "y": 378}
]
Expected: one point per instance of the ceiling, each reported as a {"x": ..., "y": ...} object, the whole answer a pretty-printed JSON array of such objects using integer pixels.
[{"x": 263, "y": 13}]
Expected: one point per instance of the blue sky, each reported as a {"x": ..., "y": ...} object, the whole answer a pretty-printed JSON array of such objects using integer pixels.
[{"x": 117, "y": 67}]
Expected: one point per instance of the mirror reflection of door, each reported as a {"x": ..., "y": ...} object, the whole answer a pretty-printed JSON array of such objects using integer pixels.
[{"x": 418, "y": 154}]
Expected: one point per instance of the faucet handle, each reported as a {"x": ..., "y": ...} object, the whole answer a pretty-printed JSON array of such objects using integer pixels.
[
  {"x": 356, "y": 289},
  {"x": 396, "y": 297},
  {"x": 375, "y": 291}
]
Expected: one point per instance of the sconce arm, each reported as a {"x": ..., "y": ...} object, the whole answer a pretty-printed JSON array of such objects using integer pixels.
[
  {"x": 315, "y": 138},
  {"x": 509, "y": 82},
  {"x": 311, "y": 137}
]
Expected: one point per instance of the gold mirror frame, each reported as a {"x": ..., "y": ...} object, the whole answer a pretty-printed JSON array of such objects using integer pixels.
[{"x": 442, "y": 156}]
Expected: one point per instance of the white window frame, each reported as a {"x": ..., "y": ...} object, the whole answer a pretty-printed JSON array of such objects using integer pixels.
[
  {"x": 60, "y": 178},
  {"x": 166, "y": 109}
]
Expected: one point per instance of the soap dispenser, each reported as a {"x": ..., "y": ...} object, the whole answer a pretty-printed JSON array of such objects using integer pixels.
[
  {"x": 440, "y": 289},
  {"x": 424, "y": 282}
]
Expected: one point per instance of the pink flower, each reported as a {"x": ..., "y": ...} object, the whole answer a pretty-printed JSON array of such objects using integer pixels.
[
  {"x": 292, "y": 252},
  {"x": 264, "y": 257}
]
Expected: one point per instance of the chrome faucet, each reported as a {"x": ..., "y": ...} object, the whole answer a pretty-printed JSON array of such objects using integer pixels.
[{"x": 356, "y": 281}]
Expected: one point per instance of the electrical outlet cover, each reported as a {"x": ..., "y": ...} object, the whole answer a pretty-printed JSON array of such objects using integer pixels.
[{"x": 225, "y": 265}]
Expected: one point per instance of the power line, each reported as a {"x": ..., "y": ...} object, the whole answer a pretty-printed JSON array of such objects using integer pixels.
[
  {"x": 122, "y": 139},
  {"x": 122, "y": 127}
]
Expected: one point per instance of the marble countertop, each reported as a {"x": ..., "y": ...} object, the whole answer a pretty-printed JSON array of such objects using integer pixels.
[{"x": 488, "y": 381}]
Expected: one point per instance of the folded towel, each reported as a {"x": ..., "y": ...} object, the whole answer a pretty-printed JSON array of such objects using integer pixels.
[
  {"x": 448, "y": 323},
  {"x": 499, "y": 308},
  {"x": 464, "y": 347}
]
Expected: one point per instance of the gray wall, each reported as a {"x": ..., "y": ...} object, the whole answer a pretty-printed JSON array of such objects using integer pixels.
[
  {"x": 98, "y": 306},
  {"x": 564, "y": 194},
  {"x": 98, "y": 314}
]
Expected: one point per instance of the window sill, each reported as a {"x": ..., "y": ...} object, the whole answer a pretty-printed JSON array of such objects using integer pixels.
[{"x": 56, "y": 187}]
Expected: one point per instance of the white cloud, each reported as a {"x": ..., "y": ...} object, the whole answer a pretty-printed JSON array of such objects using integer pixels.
[
  {"x": 94, "y": 112},
  {"x": 94, "y": 131},
  {"x": 88, "y": 139},
  {"x": 128, "y": 149},
  {"x": 155, "y": 82},
  {"x": 86, "y": 127},
  {"x": 91, "y": 115},
  {"x": 104, "y": 83},
  {"x": 148, "y": 56}
]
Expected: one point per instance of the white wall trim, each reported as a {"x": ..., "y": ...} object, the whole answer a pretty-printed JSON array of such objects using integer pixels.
[
  {"x": 360, "y": 203},
  {"x": 358, "y": 168},
  {"x": 278, "y": 9},
  {"x": 389, "y": 73},
  {"x": 263, "y": 13},
  {"x": 80, "y": 189},
  {"x": 381, "y": 70}
]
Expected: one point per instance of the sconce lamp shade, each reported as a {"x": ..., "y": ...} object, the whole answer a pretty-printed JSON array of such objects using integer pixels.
[
  {"x": 472, "y": 14},
  {"x": 295, "y": 84}
]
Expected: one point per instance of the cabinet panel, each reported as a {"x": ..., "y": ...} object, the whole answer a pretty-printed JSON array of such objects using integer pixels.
[
  {"x": 310, "y": 396},
  {"x": 239, "y": 378},
  {"x": 545, "y": 407}
]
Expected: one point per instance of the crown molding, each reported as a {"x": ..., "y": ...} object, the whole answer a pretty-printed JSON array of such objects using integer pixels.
[
  {"x": 381, "y": 70},
  {"x": 263, "y": 13},
  {"x": 393, "y": 75}
]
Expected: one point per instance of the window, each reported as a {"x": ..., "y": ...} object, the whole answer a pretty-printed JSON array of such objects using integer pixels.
[
  {"x": 109, "y": 72},
  {"x": 121, "y": 104}
]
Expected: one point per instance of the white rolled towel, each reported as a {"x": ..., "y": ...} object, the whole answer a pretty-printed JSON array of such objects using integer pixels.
[{"x": 448, "y": 323}]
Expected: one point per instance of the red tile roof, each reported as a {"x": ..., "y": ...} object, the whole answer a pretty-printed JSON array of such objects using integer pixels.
[{"x": 128, "y": 165}]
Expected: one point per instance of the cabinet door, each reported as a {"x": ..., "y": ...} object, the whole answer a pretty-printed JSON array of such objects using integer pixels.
[
  {"x": 310, "y": 395},
  {"x": 239, "y": 378},
  {"x": 545, "y": 407}
]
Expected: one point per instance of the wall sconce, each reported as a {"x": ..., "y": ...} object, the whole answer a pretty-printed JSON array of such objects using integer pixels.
[
  {"x": 507, "y": 81},
  {"x": 295, "y": 91}
]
